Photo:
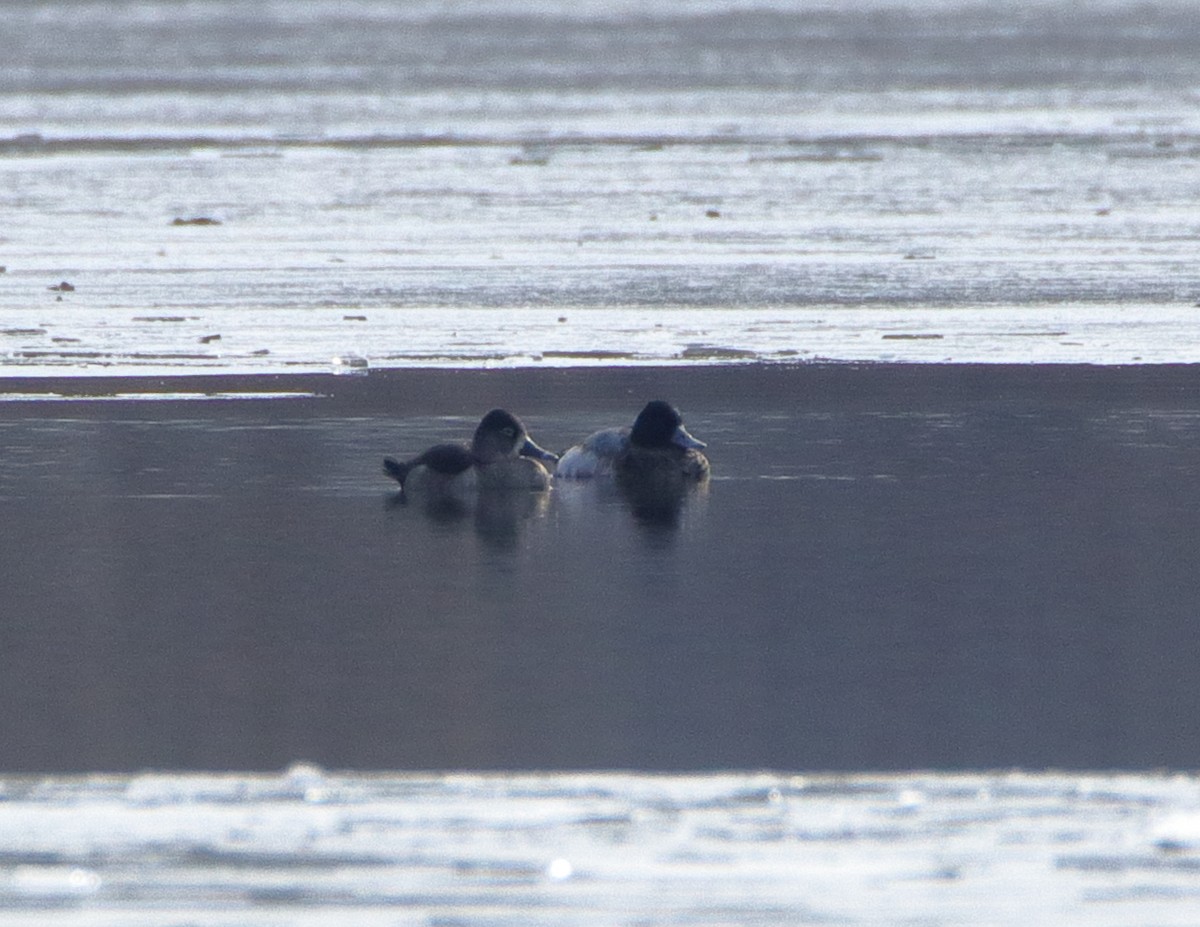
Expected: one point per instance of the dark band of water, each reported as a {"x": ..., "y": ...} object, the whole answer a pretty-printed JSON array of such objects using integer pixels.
[{"x": 894, "y": 567}]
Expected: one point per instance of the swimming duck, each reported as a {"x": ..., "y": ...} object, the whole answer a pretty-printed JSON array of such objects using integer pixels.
[
  {"x": 501, "y": 456},
  {"x": 657, "y": 449}
]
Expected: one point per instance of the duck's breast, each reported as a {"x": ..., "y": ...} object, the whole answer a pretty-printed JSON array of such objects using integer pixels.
[
  {"x": 662, "y": 466},
  {"x": 513, "y": 473}
]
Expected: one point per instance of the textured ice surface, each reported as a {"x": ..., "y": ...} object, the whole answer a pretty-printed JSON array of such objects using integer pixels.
[
  {"x": 232, "y": 186},
  {"x": 311, "y": 847}
]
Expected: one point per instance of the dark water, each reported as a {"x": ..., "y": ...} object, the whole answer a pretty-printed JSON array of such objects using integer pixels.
[
  {"x": 242, "y": 48},
  {"x": 892, "y": 568}
]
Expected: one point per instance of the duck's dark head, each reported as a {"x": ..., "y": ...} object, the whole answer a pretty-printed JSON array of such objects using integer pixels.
[
  {"x": 501, "y": 435},
  {"x": 660, "y": 425}
]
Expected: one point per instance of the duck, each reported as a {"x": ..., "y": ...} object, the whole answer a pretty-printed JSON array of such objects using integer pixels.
[
  {"x": 656, "y": 450},
  {"x": 501, "y": 456}
]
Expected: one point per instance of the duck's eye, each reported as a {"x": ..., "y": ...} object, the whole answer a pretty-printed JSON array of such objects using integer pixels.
[{"x": 510, "y": 432}]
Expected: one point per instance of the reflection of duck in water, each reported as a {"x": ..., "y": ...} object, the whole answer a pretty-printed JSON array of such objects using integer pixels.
[
  {"x": 655, "y": 463},
  {"x": 500, "y": 517},
  {"x": 657, "y": 449},
  {"x": 501, "y": 456}
]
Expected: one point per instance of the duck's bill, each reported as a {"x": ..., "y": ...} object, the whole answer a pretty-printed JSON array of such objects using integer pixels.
[
  {"x": 683, "y": 439},
  {"x": 537, "y": 453}
]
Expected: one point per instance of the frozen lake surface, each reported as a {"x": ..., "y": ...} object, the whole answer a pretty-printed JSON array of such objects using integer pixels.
[
  {"x": 235, "y": 186},
  {"x": 307, "y": 847},
  {"x": 584, "y": 204}
]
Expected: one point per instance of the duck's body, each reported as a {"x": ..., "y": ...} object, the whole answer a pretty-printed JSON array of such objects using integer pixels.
[
  {"x": 501, "y": 456},
  {"x": 667, "y": 466},
  {"x": 594, "y": 456},
  {"x": 514, "y": 473},
  {"x": 657, "y": 451},
  {"x": 443, "y": 468}
]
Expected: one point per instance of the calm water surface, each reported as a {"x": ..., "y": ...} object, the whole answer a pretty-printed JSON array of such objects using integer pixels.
[
  {"x": 957, "y": 575},
  {"x": 894, "y": 568}
]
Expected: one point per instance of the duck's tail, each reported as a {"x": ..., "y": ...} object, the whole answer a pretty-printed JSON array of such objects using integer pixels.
[{"x": 396, "y": 470}]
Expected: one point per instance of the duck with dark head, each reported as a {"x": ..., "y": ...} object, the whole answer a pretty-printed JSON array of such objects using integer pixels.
[
  {"x": 501, "y": 456},
  {"x": 657, "y": 448},
  {"x": 661, "y": 450}
]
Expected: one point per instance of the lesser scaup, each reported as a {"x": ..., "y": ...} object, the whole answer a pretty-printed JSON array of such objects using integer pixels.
[
  {"x": 501, "y": 456},
  {"x": 657, "y": 449}
]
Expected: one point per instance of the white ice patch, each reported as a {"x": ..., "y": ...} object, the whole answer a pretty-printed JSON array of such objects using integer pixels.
[{"x": 601, "y": 848}]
